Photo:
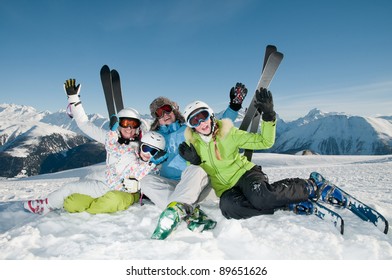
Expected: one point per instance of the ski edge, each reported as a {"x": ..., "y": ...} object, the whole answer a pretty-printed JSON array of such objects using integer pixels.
[
  {"x": 117, "y": 92},
  {"x": 337, "y": 219},
  {"x": 352, "y": 206},
  {"x": 106, "y": 81}
]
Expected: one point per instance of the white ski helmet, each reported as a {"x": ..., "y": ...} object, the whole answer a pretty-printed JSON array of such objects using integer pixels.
[
  {"x": 154, "y": 139},
  {"x": 193, "y": 106},
  {"x": 128, "y": 113}
]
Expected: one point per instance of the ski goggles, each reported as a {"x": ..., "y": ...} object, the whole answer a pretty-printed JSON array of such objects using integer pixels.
[
  {"x": 148, "y": 149},
  {"x": 197, "y": 118},
  {"x": 161, "y": 111},
  {"x": 129, "y": 122}
]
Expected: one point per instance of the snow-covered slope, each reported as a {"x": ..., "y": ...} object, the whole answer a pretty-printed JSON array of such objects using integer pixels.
[{"x": 126, "y": 235}]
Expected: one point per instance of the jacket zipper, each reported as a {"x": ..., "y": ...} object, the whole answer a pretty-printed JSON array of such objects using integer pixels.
[{"x": 211, "y": 156}]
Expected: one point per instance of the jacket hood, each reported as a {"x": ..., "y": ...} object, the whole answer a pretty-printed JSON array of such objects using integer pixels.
[{"x": 159, "y": 102}]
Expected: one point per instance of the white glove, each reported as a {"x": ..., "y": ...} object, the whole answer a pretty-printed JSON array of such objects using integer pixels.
[{"x": 131, "y": 185}]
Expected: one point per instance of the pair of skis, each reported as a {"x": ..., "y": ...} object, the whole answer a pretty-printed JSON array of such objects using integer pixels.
[
  {"x": 251, "y": 120},
  {"x": 358, "y": 208},
  {"x": 112, "y": 89}
]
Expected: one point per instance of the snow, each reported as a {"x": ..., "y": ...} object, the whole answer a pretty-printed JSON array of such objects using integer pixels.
[
  {"x": 382, "y": 126},
  {"x": 126, "y": 235}
]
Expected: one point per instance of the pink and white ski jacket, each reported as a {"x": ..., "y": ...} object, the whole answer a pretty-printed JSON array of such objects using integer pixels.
[{"x": 123, "y": 161}]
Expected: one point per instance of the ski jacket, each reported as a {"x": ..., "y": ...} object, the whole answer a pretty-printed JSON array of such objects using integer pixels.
[
  {"x": 175, "y": 164},
  {"x": 122, "y": 161},
  {"x": 220, "y": 157},
  {"x": 174, "y": 136},
  {"x": 91, "y": 130}
]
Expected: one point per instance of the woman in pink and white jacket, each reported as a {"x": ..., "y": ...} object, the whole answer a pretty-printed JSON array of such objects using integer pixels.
[{"x": 131, "y": 153}]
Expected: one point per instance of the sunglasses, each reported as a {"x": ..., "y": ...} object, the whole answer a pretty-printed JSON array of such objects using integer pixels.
[
  {"x": 129, "y": 122},
  {"x": 161, "y": 111},
  {"x": 148, "y": 149},
  {"x": 197, "y": 118}
]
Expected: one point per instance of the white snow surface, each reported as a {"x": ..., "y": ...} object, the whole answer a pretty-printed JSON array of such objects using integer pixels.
[{"x": 126, "y": 235}]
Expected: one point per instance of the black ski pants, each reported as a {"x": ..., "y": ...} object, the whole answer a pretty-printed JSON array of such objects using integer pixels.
[{"x": 253, "y": 195}]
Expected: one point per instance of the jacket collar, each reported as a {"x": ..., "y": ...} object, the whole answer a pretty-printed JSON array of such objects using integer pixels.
[{"x": 167, "y": 129}]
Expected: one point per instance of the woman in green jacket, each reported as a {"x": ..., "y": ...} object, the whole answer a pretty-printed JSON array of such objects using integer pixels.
[{"x": 242, "y": 186}]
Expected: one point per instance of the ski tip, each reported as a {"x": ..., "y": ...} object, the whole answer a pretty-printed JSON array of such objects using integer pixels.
[
  {"x": 342, "y": 227},
  {"x": 105, "y": 68},
  {"x": 271, "y": 47},
  {"x": 114, "y": 72},
  {"x": 279, "y": 54},
  {"x": 386, "y": 227}
]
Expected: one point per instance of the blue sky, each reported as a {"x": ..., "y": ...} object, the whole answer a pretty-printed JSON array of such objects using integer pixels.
[{"x": 337, "y": 53}]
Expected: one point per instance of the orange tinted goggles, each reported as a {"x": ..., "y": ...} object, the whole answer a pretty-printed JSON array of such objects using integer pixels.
[{"x": 129, "y": 122}]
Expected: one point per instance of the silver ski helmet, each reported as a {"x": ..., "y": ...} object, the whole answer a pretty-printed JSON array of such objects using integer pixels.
[
  {"x": 128, "y": 113},
  {"x": 154, "y": 139}
]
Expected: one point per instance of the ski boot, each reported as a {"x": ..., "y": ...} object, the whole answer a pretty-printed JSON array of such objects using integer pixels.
[
  {"x": 170, "y": 219},
  {"x": 327, "y": 191},
  {"x": 39, "y": 206},
  {"x": 302, "y": 208},
  {"x": 199, "y": 221}
]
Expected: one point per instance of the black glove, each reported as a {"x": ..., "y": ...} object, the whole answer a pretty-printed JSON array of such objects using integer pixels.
[
  {"x": 237, "y": 96},
  {"x": 72, "y": 91},
  {"x": 265, "y": 104},
  {"x": 113, "y": 123},
  {"x": 189, "y": 153}
]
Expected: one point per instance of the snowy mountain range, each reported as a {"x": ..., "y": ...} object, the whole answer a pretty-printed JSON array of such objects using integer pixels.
[
  {"x": 332, "y": 134},
  {"x": 335, "y": 134},
  {"x": 33, "y": 142}
]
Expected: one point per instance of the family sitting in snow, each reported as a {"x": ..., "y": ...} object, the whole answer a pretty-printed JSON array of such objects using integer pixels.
[{"x": 177, "y": 162}]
